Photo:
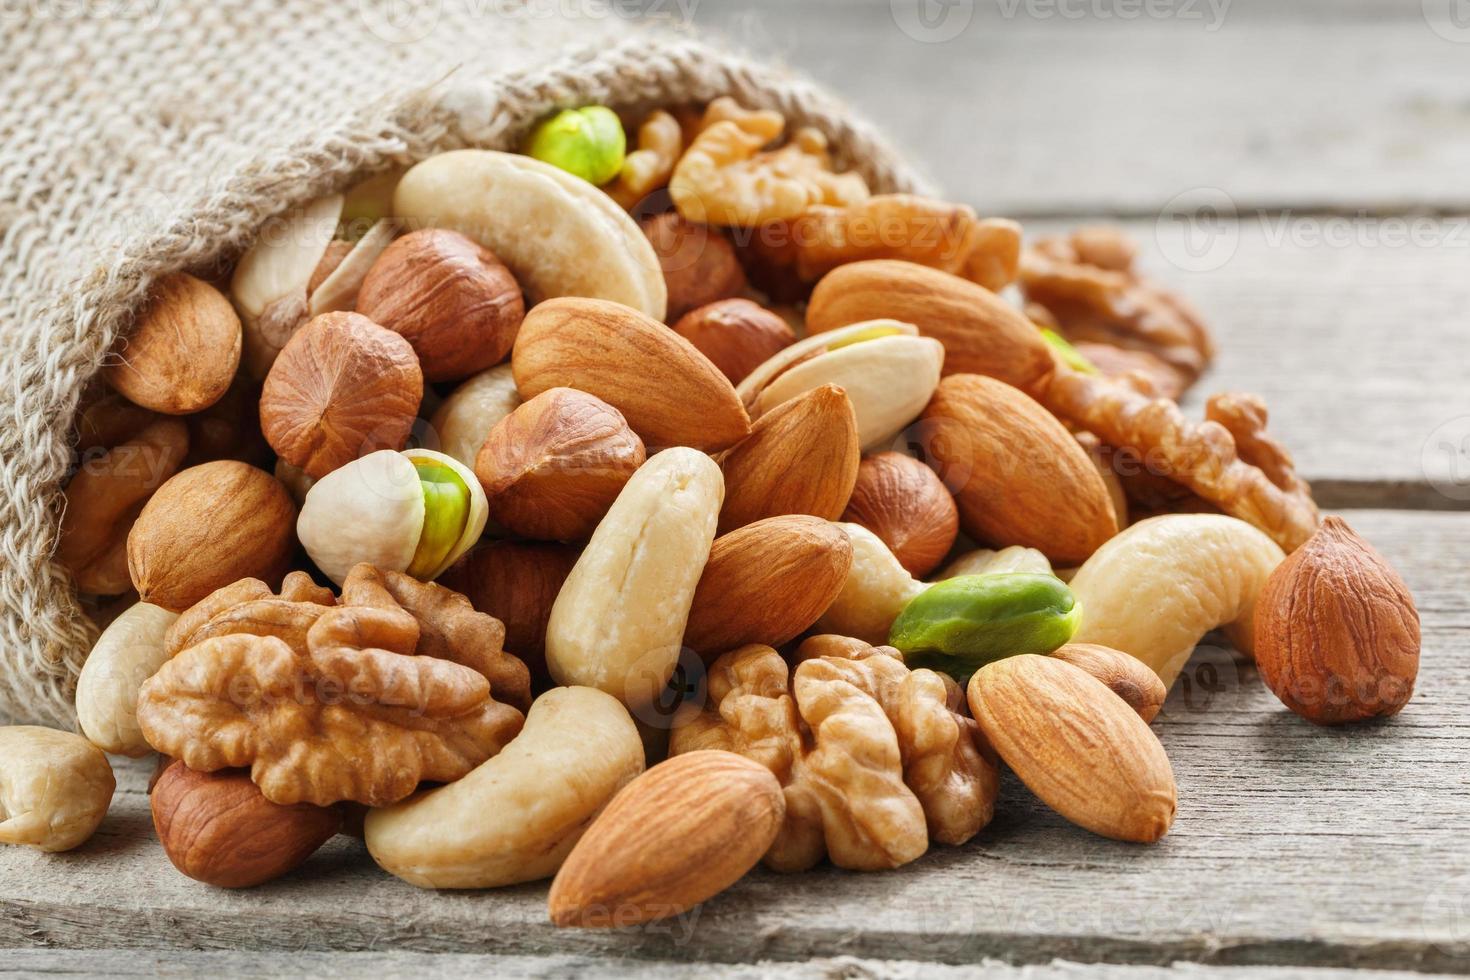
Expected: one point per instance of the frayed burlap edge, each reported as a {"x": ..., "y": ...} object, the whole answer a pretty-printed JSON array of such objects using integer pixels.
[{"x": 46, "y": 634}]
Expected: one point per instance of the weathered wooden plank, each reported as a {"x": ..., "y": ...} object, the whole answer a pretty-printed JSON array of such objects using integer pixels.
[
  {"x": 1097, "y": 106},
  {"x": 1294, "y": 846},
  {"x": 389, "y": 966},
  {"x": 1354, "y": 330}
]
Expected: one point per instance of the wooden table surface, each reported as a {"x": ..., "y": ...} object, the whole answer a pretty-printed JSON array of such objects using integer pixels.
[{"x": 1301, "y": 171}]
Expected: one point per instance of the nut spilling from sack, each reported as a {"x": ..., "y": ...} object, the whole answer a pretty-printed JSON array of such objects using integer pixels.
[{"x": 690, "y": 450}]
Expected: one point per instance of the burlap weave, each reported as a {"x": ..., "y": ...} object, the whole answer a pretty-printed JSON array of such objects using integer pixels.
[{"x": 138, "y": 137}]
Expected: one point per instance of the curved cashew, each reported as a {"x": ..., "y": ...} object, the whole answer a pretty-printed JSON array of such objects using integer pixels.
[
  {"x": 55, "y": 788},
  {"x": 126, "y": 654},
  {"x": 877, "y": 589},
  {"x": 517, "y": 816},
  {"x": 1154, "y": 590},
  {"x": 580, "y": 243},
  {"x": 986, "y": 561}
]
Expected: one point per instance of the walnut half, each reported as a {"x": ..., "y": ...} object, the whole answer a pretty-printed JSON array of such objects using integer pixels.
[{"x": 875, "y": 759}]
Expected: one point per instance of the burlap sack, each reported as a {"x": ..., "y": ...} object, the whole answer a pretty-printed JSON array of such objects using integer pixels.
[{"x": 145, "y": 136}]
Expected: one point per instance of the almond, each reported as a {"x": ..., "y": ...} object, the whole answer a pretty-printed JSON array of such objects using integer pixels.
[
  {"x": 981, "y": 333},
  {"x": 1081, "y": 749},
  {"x": 1126, "y": 676},
  {"x": 1018, "y": 475},
  {"x": 678, "y": 835},
  {"x": 767, "y": 582},
  {"x": 902, "y": 501},
  {"x": 181, "y": 355},
  {"x": 801, "y": 457},
  {"x": 668, "y": 391}
]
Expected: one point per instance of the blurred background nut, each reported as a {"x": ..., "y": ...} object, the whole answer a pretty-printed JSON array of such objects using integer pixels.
[
  {"x": 416, "y": 511},
  {"x": 464, "y": 419},
  {"x": 220, "y": 829},
  {"x": 906, "y": 505},
  {"x": 342, "y": 387},
  {"x": 887, "y": 370},
  {"x": 800, "y": 458},
  {"x": 698, "y": 262},
  {"x": 181, "y": 354},
  {"x": 668, "y": 391},
  {"x": 516, "y": 582},
  {"x": 230, "y": 428},
  {"x": 207, "y": 527},
  {"x": 298, "y": 269},
  {"x": 766, "y": 582},
  {"x": 452, "y": 299},
  {"x": 588, "y": 142},
  {"x": 104, "y": 499},
  {"x": 127, "y": 653},
  {"x": 737, "y": 335},
  {"x": 553, "y": 467},
  {"x": 55, "y": 788}
]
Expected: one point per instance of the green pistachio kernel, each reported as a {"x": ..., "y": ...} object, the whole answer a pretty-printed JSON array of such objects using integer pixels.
[
  {"x": 446, "y": 512},
  {"x": 962, "y": 624},
  {"x": 587, "y": 142},
  {"x": 1070, "y": 355}
]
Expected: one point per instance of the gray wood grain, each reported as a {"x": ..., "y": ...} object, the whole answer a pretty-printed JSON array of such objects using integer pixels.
[
  {"x": 1293, "y": 846},
  {"x": 389, "y": 966},
  {"x": 1047, "y": 107},
  {"x": 1355, "y": 331}
]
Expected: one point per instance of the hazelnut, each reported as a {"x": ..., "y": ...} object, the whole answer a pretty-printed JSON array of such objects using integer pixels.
[
  {"x": 218, "y": 828},
  {"x": 906, "y": 505},
  {"x": 553, "y": 467},
  {"x": 182, "y": 352},
  {"x": 342, "y": 387},
  {"x": 699, "y": 263},
  {"x": 737, "y": 335},
  {"x": 451, "y": 298},
  {"x": 1337, "y": 633},
  {"x": 517, "y": 583},
  {"x": 207, "y": 527}
]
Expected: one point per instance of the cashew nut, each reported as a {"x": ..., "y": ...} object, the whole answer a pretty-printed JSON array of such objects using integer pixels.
[
  {"x": 1154, "y": 590},
  {"x": 560, "y": 235},
  {"x": 55, "y": 788},
  {"x": 517, "y": 816},
  {"x": 126, "y": 654},
  {"x": 618, "y": 622},
  {"x": 471, "y": 411},
  {"x": 877, "y": 589},
  {"x": 985, "y": 561}
]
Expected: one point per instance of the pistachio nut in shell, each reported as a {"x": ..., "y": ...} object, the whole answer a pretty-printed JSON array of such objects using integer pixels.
[
  {"x": 580, "y": 242},
  {"x": 887, "y": 370},
  {"x": 959, "y": 625},
  {"x": 416, "y": 511},
  {"x": 588, "y": 142}
]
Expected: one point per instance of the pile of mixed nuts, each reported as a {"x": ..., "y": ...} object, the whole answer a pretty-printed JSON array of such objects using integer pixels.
[{"x": 475, "y": 491}]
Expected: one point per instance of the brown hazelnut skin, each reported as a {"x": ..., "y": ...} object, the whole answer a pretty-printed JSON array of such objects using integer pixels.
[
  {"x": 517, "y": 583},
  {"x": 699, "y": 262},
  {"x": 1337, "y": 632},
  {"x": 341, "y": 388},
  {"x": 207, "y": 527},
  {"x": 448, "y": 296},
  {"x": 183, "y": 351},
  {"x": 220, "y": 829},
  {"x": 737, "y": 335},
  {"x": 553, "y": 467},
  {"x": 907, "y": 506}
]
